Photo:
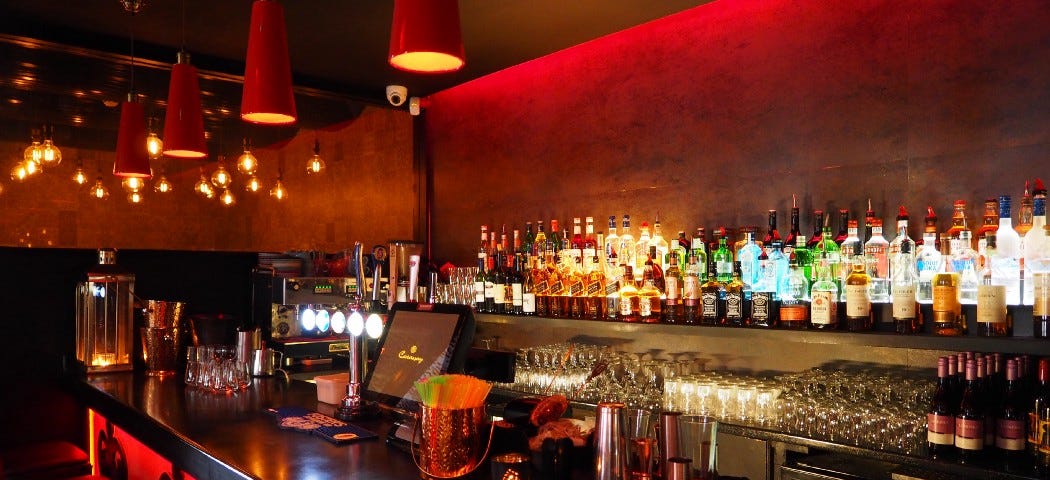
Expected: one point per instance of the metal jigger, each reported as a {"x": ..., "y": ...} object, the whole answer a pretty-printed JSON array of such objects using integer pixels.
[{"x": 353, "y": 406}]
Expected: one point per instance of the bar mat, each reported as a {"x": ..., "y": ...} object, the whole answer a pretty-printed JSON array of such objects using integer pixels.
[{"x": 302, "y": 420}]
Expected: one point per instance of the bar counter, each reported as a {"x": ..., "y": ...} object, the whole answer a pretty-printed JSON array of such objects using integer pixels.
[{"x": 211, "y": 436}]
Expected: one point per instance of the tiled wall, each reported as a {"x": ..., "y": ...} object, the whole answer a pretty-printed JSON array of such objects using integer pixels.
[{"x": 716, "y": 114}]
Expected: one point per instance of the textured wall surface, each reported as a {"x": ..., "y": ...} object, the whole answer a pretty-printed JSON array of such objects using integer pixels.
[
  {"x": 327, "y": 212},
  {"x": 717, "y": 114}
]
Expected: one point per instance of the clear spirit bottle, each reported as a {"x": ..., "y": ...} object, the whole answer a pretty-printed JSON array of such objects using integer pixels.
[
  {"x": 876, "y": 260},
  {"x": 907, "y": 316},
  {"x": 748, "y": 258},
  {"x": 1006, "y": 268},
  {"x": 627, "y": 244},
  {"x": 662, "y": 247},
  {"x": 964, "y": 262},
  {"x": 927, "y": 262}
]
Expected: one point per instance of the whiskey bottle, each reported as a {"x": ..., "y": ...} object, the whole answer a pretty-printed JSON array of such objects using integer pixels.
[
  {"x": 613, "y": 280},
  {"x": 736, "y": 311},
  {"x": 859, "y": 316},
  {"x": 629, "y": 302},
  {"x": 712, "y": 310},
  {"x": 672, "y": 308},
  {"x": 649, "y": 307},
  {"x": 989, "y": 224},
  {"x": 764, "y": 305},
  {"x": 594, "y": 296},
  {"x": 612, "y": 246},
  {"x": 993, "y": 319},
  {"x": 539, "y": 244},
  {"x": 947, "y": 311},
  {"x": 691, "y": 292},
  {"x": 1025, "y": 214},
  {"x": 541, "y": 286},
  {"x": 907, "y": 316},
  {"x": 823, "y": 304},
  {"x": 794, "y": 296}
]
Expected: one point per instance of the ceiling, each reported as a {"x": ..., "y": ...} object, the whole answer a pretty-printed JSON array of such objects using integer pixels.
[{"x": 67, "y": 62}]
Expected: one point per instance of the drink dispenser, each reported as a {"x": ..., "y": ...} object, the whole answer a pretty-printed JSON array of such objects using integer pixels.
[
  {"x": 104, "y": 304},
  {"x": 403, "y": 277}
]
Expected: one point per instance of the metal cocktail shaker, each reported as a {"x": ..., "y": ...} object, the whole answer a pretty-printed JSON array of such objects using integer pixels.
[
  {"x": 610, "y": 442},
  {"x": 667, "y": 436}
]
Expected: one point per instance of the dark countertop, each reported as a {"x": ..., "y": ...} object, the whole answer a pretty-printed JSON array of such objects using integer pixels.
[{"x": 213, "y": 436}]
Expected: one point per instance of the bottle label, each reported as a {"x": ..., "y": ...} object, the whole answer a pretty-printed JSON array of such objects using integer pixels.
[
  {"x": 823, "y": 308},
  {"x": 734, "y": 305},
  {"x": 625, "y": 307},
  {"x": 490, "y": 290},
  {"x": 969, "y": 433},
  {"x": 857, "y": 302},
  {"x": 499, "y": 293},
  {"x": 576, "y": 288},
  {"x": 645, "y": 306},
  {"x": 691, "y": 290},
  {"x": 1009, "y": 434},
  {"x": 940, "y": 429},
  {"x": 671, "y": 286},
  {"x": 479, "y": 292},
  {"x": 540, "y": 287},
  {"x": 904, "y": 301},
  {"x": 555, "y": 288},
  {"x": 594, "y": 288},
  {"x": 528, "y": 302},
  {"x": 946, "y": 299},
  {"x": 612, "y": 288},
  {"x": 724, "y": 268},
  {"x": 793, "y": 312},
  {"x": 1041, "y": 302},
  {"x": 991, "y": 303},
  {"x": 516, "y": 295},
  {"x": 710, "y": 302},
  {"x": 760, "y": 305}
]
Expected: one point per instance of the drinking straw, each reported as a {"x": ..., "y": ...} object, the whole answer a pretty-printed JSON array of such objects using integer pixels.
[{"x": 452, "y": 391}]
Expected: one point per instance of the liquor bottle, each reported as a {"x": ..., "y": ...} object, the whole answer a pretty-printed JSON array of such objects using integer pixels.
[
  {"x": 780, "y": 262},
  {"x": 1041, "y": 287},
  {"x": 590, "y": 245},
  {"x": 649, "y": 308},
  {"x": 556, "y": 289},
  {"x": 483, "y": 248},
  {"x": 794, "y": 296},
  {"x": 594, "y": 296},
  {"x": 824, "y": 296},
  {"x": 930, "y": 225},
  {"x": 804, "y": 257},
  {"x": 1039, "y": 414},
  {"x": 613, "y": 281},
  {"x": 1025, "y": 214},
  {"x": 527, "y": 242},
  {"x": 947, "y": 311},
  {"x": 627, "y": 244},
  {"x": 480, "y": 279},
  {"x": 528, "y": 289},
  {"x": 843, "y": 227},
  {"x": 575, "y": 291},
  {"x": 680, "y": 247},
  {"x": 859, "y": 316},
  {"x": 852, "y": 252},
  {"x": 1012, "y": 416},
  {"x": 771, "y": 230},
  {"x": 833, "y": 253},
  {"x": 698, "y": 248},
  {"x": 869, "y": 217},
  {"x": 818, "y": 228},
  {"x": 993, "y": 320},
  {"x": 736, "y": 311},
  {"x": 989, "y": 223},
  {"x": 764, "y": 305},
  {"x": 969, "y": 420},
  {"x": 958, "y": 220},
  {"x": 984, "y": 399},
  {"x": 1006, "y": 267},
  {"x": 629, "y": 302},
  {"x": 575, "y": 246},
  {"x": 907, "y": 316},
  {"x": 539, "y": 244},
  {"x": 748, "y": 259},
  {"x": 723, "y": 260},
  {"x": 672, "y": 308},
  {"x": 513, "y": 300},
  {"x": 541, "y": 286},
  {"x": 691, "y": 292},
  {"x": 940, "y": 418},
  {"x": 612, "y": 246},
  {"x": 876, "y": 259},
  {"x": 927, "y": 261},
  {"x": 964, "y": 262},
  {"x": 641, "y": 248},
  {"x": 898, "y": 241},
  {"x": 712, "y": 310},
  {"x": 658, "y": 241},
  {"x": 1034, "y": 242},
  {"x": 794, "y": 233},
  {"x": 495, "y": 287}
]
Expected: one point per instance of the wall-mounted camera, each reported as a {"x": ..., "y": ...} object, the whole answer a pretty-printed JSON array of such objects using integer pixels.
[{"x": 396, "y": 95}]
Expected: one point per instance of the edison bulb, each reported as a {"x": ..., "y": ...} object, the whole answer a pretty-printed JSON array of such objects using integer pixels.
[
  {"x": 79, "y": 176},
  {"x": 315, "y": 164},
  {"x": 227, "y": 198},
  {"x": 135, "y": 197},
  {"x": 203, "y": 188},
  {"x": 221, "y": 178},
  {"x": 19, "y": 173},
  {"x": 253, "y": 184},
  {"x": 50, "y": 155},
  {"x": 99, "y": 190},
  {"x": 278, "y": 191},
  {"x": 33, "y": 153},
  {"x": 132, "y": 184},
  {"x": 154, "y": 145},
  {"x": 31, "y": 167},
  {"x": 247, "y": 163},
  {"x": 162, "y": 185}
]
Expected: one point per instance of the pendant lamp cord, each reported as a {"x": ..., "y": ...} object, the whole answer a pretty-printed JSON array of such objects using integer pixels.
[
  {"x": 132, "y": 30},
  {"x": 184, "y": 25}
]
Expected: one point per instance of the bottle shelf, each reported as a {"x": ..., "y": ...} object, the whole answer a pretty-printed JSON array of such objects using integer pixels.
[{"x": 1016, "y": 344}]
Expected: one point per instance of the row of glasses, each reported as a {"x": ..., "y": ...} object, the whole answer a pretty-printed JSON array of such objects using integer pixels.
[
  {"x": 460, "y": 287},
  {"x": 216, "y": 369}
]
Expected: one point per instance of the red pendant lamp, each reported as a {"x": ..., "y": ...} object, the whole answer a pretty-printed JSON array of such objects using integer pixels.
[
  {"x": 425, "y": 36},
  {"x": 132, "y": 156},
  {"x": 267, "y": 97},
  {"x": 183, "y": 121}
]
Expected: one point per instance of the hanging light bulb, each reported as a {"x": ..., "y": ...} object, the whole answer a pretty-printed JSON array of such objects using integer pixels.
[
  {"x": 19, "y": 173},
  {"x": 253, "y": 184},
  {"x": 278, "y": 191},
  {"x": 99, "y": 190},
  {"x": 315, "y": 164},
  {"x": 135, "y": 197},
  {"x": 247, "y": 163},
  {"x": 227, "y": 198},
  {"x": 203, "y": 187},
  {"x": 31, "y": 168},
  {"x": 34, "y": 152},
  {"x": 1, "y": 189},
  {"x": 220, "y": 177},
  {"x": 154, "y": 145},
  {"x": 132, "y": 184},
  {"x": 50, "y": 155},
  {"x": 79, "y": 175},
  {"x": 162, "y": 185}
]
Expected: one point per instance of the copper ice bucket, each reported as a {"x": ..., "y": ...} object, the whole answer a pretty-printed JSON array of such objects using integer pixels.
[{"x": 451, "y": 442}]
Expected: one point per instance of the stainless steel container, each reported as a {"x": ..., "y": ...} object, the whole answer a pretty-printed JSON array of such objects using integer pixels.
[
  {"x": 667, "y": 438},
  {"x": 610, "y": 442}
]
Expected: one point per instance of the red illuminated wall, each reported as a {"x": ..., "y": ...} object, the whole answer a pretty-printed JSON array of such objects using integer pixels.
[{"x": 723, "y": 111}]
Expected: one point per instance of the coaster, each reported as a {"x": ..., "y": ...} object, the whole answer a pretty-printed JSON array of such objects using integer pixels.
[{"x": 331, "y": 429}]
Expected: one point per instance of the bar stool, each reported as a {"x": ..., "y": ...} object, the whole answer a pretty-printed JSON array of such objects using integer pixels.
[{"x": 44, "y": 460}]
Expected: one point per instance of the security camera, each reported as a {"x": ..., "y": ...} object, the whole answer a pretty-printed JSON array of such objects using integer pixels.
[{"x": 396, "y": 95}]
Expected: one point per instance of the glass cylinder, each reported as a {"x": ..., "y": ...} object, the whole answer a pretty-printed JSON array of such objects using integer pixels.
[{"x": 104, "y": 328}]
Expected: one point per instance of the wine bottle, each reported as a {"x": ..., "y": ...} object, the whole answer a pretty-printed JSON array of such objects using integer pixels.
[
  {"x": 691, "y": 292},
  {"x": 672, "y": 310},
  {"x": 940, "y": 419},
  {"x": 1039, "y": 413},
  {"x": 969, "y": 420},
  {"x": 1012, "y": 416}
]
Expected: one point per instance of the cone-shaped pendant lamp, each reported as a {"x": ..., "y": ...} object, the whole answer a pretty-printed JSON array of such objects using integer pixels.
[
  {"x": 132, "y": 157},
  {"x": 267, "y": 97},
  {"x": 183, "y": 122},
  {"x": 425, "y": 36}
]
